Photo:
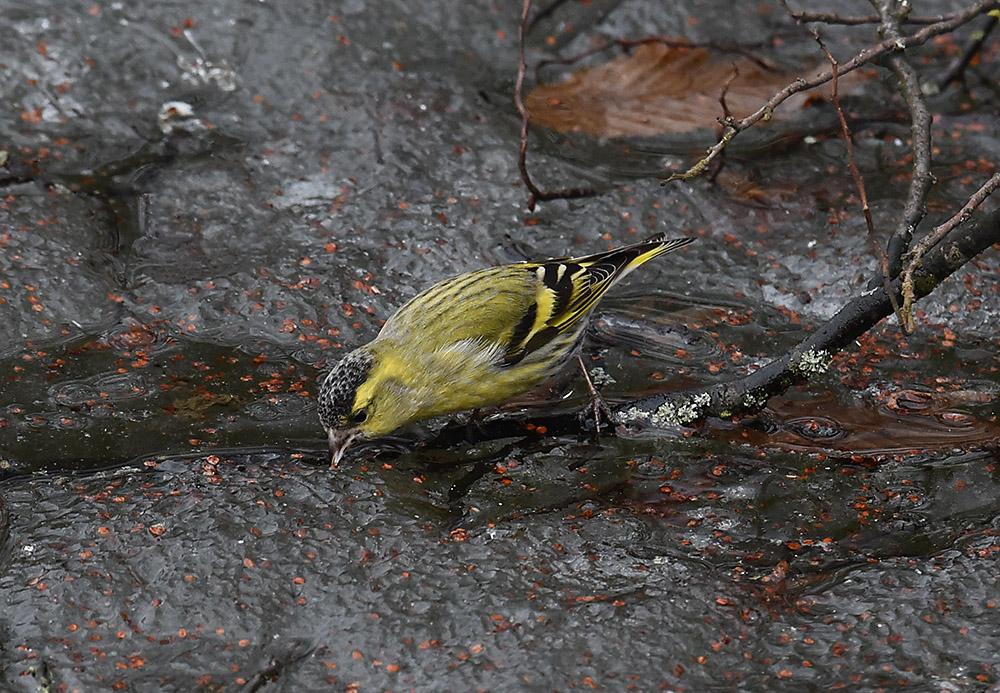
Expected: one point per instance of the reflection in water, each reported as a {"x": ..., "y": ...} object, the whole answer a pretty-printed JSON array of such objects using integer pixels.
[{"x": 926, "y": 425}]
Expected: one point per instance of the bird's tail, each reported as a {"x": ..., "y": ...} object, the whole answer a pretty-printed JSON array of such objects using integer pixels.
[{"x": 612, "y": 265}]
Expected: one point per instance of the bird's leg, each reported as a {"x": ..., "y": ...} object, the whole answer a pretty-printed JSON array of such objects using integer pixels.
[
  {"x": 597, "y": 404},
  {"x": 474, "y": 424}
]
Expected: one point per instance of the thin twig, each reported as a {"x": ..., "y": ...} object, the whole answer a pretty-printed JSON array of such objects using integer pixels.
[
  {"x": 726, "y": 114},
  {"x": 727, "y": 117},
  {"x": 537, "y": 195},
  {"x": 803, "y": 84},
  {"x": 933, "y": 238},
  {"x": 958, "y": 66},
  {"x": 873, "y": 19},
  {"x": 519, "y": 102},
  {"x": 859, "y": 180}
]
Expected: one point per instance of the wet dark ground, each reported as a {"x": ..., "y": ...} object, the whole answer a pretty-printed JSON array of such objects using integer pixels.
[{"x": 168, "y": 296}]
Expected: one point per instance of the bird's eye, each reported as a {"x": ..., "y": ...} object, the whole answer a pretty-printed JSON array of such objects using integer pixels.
[{"x": 360, "y": 416}]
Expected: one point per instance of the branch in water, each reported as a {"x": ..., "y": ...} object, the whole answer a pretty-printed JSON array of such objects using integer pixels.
[{"x": 814, "y": 355}]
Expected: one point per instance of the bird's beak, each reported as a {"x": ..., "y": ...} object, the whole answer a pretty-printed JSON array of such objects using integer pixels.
[{"x": 340, "y": 440}]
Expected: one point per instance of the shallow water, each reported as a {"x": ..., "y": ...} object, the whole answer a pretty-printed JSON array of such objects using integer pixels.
[{"x": 167, "y": 519}]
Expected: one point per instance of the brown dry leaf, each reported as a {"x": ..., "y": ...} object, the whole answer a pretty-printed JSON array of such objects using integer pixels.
[{"x": 655, "y": 90}]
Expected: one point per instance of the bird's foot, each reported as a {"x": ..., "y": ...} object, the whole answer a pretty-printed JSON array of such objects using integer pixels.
[{"x": 597, "y": 407}]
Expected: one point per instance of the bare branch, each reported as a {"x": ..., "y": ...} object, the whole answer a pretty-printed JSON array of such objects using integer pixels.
[
  {"x": 934, "y": 237},
  {"x": 803, "y": 84},
  {"x": 920, "y": 135},
  {"x": 537, "y": 194},
  {"x": 814, "y": 355},
  {"x": 853, "y": 21}
]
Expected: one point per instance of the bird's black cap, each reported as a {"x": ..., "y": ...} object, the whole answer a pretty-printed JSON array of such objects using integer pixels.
[{"x": 336, "y": 394}]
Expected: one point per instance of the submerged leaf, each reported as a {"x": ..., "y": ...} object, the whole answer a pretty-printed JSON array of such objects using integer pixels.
[{"x": 655, "y": 90}]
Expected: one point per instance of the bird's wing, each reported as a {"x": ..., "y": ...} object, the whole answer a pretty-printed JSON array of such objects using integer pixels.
[
  {"x": 515, "y": 310},
  {"x": 567, "y": 289},
  {"x": 485, "y": 305}
]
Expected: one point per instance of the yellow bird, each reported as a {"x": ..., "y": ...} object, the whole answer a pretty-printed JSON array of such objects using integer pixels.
[{"x": 471, "y": 341}]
